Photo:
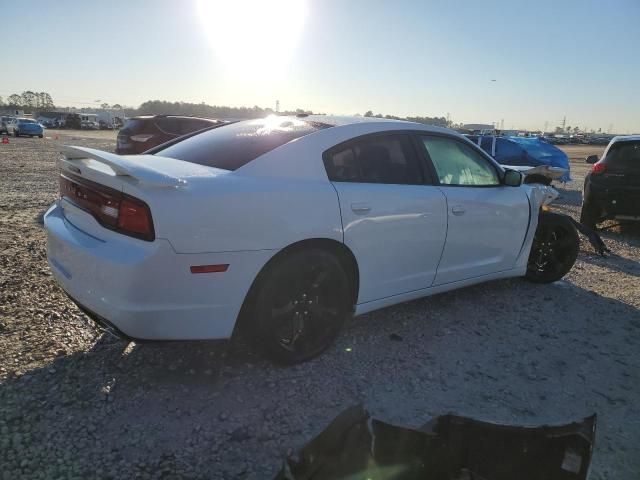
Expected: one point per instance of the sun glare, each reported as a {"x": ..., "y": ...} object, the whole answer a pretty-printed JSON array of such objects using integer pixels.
[{"x": 255, "y": 36}]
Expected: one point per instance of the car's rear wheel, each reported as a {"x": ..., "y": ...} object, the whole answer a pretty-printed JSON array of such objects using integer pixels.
[
  {"x": 301, "y": 304},
  {"x": 554, "y": 250},
  {"x": 40, "y": 136}
]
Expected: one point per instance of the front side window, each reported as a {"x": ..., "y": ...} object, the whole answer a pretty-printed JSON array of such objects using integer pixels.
[
  {"x": 386, "y": 159},
  {"x": 459, "y": 164}
]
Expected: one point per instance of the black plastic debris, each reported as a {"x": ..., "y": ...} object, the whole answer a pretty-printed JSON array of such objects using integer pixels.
[{"x": 355, "y": 446}]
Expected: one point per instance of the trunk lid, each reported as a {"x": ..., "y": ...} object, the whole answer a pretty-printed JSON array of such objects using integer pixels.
[{"x": 93, "y": 183}]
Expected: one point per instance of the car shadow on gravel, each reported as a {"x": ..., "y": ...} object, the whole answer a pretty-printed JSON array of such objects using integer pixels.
[
  {"x": 506, "y": 351},
  {"x": 614, "y": 262}
]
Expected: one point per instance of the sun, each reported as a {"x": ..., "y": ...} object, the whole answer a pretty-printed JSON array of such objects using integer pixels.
[{"x": 252, "y": 36}]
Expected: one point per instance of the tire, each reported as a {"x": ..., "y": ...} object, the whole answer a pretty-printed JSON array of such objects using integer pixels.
[
  {"x": 554, "y": 250},
  {"x": 40, "y": 136},
  {"x": 16, "y": 134},
  {"x": 301, "y": 304},
  {"x": 589, "y": 216}
]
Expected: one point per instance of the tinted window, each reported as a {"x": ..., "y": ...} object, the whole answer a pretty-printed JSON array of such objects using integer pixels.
[
  {"x": 459, "y": 164},
  {"x": 232, "y": 146},
  {"x": 169, "y": 125},
  {"x": 26, "y": 121},
  {"x": 189, "y": 125},
  {"x": 624, "y": 155},
  {"x": 137, "y": 125},
  {"x": 380, "y": 159}
]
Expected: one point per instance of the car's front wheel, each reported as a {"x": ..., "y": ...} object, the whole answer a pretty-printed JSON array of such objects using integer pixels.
[
  {"x": 16, "y": 134},
  {"x": 554, "y": 250},
  {"x": 301, "y": 304}
]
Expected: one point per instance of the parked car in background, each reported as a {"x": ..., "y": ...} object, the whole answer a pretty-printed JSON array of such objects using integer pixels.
[
  {"x": 524, "y": 151},
  {"x": 612, "y": 188},
  {"x": 4, "y": 120},
  {"x": 283, "y": 227},
  {"x": 141, "y": 133},
  {"x": 25, "y": 126}
]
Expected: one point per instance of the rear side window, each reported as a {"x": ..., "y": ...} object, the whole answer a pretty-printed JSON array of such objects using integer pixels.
[
  {"x": 231, "y": 146},
  {"x": 388, "y": 159},
  {"x": 624, "y": 155}
]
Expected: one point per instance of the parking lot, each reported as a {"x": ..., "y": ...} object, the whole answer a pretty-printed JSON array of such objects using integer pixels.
[{"x": 77, "y": 403}]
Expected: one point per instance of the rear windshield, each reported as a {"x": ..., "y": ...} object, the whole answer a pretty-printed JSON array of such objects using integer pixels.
[
  {"x": 624, "y": 155},
  {"x": 26, "y": 121},
  {"x": 137, "y": 125},
  {"x": 231, "y": 146}
]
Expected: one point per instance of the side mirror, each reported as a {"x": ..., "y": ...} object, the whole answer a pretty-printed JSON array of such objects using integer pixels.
[
  {"x": 512, "y": 178},
  {"x": 591, "y": 159}
]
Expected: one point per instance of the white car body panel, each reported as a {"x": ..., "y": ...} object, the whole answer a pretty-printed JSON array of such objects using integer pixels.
[
  {"x": 486, "y": 230},
  {"x": 243, "y": 218},
  {"x": 399, "y": 229}
]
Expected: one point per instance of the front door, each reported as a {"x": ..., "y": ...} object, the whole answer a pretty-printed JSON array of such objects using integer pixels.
[{"x": 487, "y": 221}]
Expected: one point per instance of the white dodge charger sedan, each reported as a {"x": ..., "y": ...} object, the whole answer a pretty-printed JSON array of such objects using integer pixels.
[{"x": 285, "y": 226}]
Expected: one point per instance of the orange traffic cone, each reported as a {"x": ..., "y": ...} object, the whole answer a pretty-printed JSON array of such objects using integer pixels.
[{"x": 5, "y": 140}]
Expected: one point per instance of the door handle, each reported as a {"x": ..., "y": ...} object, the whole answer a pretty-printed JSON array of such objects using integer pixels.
[
  {"x": 360, "y": 208},
  {"x": 457, "y": 210}
]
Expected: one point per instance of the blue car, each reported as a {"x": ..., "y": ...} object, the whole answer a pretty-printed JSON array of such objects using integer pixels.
[
  {"x": 523, "y": 152},
  {"x": 25, "y": 126}
]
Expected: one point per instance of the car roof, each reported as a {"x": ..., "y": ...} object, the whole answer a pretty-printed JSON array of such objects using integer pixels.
[
  {"x": 300, "y": 158},
  {"x": 343, "y": 120},
  {"x": 624, "y": 138}
]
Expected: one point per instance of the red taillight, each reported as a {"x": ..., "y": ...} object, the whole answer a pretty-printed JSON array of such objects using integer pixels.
[
  {"x": 111, "y": 208},
  {"x": 598, "y": 168},
  {"x": 134, "y": 217}
]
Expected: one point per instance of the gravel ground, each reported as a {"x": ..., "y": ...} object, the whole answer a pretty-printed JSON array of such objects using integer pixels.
[{"x": 77, "y": 403}]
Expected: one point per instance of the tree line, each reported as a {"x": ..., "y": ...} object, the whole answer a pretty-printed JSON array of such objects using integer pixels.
[
  {"x": 33, "y": 101},
  {"x": 29, "y": 100},
  {"x": 158, "y": 107}
]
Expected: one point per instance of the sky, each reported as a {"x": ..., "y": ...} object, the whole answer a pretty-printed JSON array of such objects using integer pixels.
[{"x": 527, "y": 63}]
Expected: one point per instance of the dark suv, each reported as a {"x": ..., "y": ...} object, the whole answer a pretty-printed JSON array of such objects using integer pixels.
[
  {"x": 612, "y": 188},
  {"x": 139, "y": 134}
]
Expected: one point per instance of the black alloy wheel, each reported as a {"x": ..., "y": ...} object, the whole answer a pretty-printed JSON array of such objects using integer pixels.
[
  {"x": 301, "y": 306},
  {"x": 554, "y": 250}
]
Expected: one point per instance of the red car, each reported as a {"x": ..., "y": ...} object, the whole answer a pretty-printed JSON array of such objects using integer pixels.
[{"x": 141, "y": 133}]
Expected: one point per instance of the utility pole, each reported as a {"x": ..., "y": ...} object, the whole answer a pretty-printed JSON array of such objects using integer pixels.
[
  {"x": 546, "y": 125},
  {"x": 277, "y": 106},
  {"x": 564, "y": 122}
]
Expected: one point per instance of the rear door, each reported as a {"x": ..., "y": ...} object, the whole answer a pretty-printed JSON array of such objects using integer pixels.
[
  {"x": 487, "y": 221},
  {"x": 394, "y": 220}
]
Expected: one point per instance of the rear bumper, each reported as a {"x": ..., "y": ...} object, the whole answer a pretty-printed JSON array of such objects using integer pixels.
[{"x": 144, "y": 289}]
